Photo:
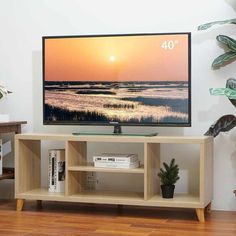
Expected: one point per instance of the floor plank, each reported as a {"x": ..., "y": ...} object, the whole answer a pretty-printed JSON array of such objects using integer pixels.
[{"x": 55, "y": 218}]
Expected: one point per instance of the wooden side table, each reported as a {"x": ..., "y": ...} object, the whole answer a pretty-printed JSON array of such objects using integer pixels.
[{"x": 10, "y": 127}]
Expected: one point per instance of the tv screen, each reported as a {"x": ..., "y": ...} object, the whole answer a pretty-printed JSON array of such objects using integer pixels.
[{"x": 141, "y": 79}]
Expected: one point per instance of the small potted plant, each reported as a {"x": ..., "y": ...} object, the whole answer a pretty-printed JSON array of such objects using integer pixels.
[{"x": 168, "y": 178}]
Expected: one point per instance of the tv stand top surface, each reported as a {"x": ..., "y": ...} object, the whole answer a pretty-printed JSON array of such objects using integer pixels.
[
  {"x": 115, "y": 138},
  {"x": 119, "y": 134}
]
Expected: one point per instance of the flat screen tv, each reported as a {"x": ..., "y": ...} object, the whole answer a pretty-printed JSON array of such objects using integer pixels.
[{"x": 133, "y": 79}]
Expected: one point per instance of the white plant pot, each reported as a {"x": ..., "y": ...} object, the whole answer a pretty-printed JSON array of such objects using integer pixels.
[{"x": 4, "y": 118}]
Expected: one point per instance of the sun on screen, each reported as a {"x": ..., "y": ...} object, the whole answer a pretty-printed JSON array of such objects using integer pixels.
[{"x": 112, "y": 58}]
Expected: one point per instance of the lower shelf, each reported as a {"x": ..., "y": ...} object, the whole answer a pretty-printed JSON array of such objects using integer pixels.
[
  {"x": 112, "y": 197},
  {"x": 179, "y": 200}
]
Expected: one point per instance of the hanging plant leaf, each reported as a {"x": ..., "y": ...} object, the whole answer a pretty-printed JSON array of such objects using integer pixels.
[
  {"x": 229, "y": 90},
  {"x": 223, "y": 59},
  {"x": 230, "y": 93},
  {"x": 224, "y": 124},
  {"x": 208, "y": 25},
  {"x": 231, "y": 84},
  {"x": 229, "y": 42}
]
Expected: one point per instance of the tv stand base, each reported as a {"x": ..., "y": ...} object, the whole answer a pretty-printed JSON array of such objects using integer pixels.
[{"x": 200, "y": 212}]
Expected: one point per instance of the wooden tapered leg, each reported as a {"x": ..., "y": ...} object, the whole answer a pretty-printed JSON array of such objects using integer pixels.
[
  {"x": 19, "y": 204},
  {"x": 208, "y": 208},
  {"x": 200, "y": 214},
  {"x": 39, "y": 203}
]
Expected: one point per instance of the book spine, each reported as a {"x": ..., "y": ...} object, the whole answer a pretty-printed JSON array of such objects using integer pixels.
[
  {"x": 126, "y": 160},
  {"x": 51, "y": 171},
  {"x": 117, "y": 165},
  {"x": 1, "y": 156},
  {"x": 60, "y": 171},
  {"x": 55, "y": 172},
  {"x": 130, "y": 159}
]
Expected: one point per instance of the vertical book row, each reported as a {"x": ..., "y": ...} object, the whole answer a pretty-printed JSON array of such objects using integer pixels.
[{"x": 56, "y": 171}]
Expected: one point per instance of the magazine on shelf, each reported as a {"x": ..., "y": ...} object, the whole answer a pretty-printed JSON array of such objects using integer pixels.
[
  {"x": 56, "y": 170},
  {"x": 116, "y": 157},
  {"x": 116, "y": 165}
]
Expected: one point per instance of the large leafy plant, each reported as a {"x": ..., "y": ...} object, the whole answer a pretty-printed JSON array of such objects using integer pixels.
[
  {"x": 170, "y": 174},
  {"x": 226, "y": 122}
]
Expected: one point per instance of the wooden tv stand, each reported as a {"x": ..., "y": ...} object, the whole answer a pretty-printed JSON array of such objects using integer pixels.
[{"x": 28, "y": 175}]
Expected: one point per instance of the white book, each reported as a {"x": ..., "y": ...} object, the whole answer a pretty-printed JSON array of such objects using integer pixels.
[
  {"x": 1, "y": 156},
  {"x": 116, "y": 165},
  {"x": 60, "y": 171},
  {"x": 116, "y": 157},
  {"x": 51, "y": 171}
]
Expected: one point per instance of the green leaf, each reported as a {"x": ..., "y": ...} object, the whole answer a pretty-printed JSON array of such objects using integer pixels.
[
  {"x": 208, "y": 25},
  {"x": 224, "y": 58},
  {"x": 166, "y": 166},
  {"x": 224, "y": 124},
  {"x": 230, "y": 93},
  {"x": 226, "y": 40},
  {"x": 231, "y": 84},
  {"x": 172, "y": 163}
]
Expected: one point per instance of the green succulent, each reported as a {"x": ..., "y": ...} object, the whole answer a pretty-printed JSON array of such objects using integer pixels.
[{"x": 170, "y": 174}]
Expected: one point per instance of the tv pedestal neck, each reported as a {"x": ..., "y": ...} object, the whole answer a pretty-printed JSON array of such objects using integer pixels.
[{"x": 117, "y": 129}]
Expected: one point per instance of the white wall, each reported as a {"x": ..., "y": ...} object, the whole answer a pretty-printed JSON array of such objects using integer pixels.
[{"x": 23, "y": 23}]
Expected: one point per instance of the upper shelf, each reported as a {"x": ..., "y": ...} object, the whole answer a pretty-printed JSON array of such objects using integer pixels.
[
  {"x": 90, "y": 167},
  {"x": 117, "y": 138}
]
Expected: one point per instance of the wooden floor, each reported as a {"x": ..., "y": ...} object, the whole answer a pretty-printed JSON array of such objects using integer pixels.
[{"x": 99, "y": 220}]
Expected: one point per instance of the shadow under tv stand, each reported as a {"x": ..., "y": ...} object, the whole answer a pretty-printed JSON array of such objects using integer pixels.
[{"x": 28, "y": 172}]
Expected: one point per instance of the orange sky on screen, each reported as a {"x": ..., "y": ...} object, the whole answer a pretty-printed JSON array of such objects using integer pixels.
[{"x": 130, "y": 58}]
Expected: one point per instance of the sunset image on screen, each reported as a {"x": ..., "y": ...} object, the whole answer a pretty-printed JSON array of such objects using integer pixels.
[{"x": 133, "y": 79}]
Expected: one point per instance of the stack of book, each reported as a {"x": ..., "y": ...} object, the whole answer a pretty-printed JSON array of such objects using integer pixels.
[
  {"x": 115, "y": 160},
  {"x": 56, "y": 170}
]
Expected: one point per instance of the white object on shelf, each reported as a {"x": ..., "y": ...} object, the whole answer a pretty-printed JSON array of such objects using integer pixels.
[
  {"x": 116, "y": 165},
  {"x": 116, "y": 157},
  {"x": 56, "y": 170},
  {"x": 51, "y": 168},
  {"x": 6, "y": 148}
]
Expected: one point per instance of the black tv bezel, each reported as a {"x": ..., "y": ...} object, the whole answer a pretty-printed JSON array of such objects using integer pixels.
[{"x": 91, "y": 123}]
